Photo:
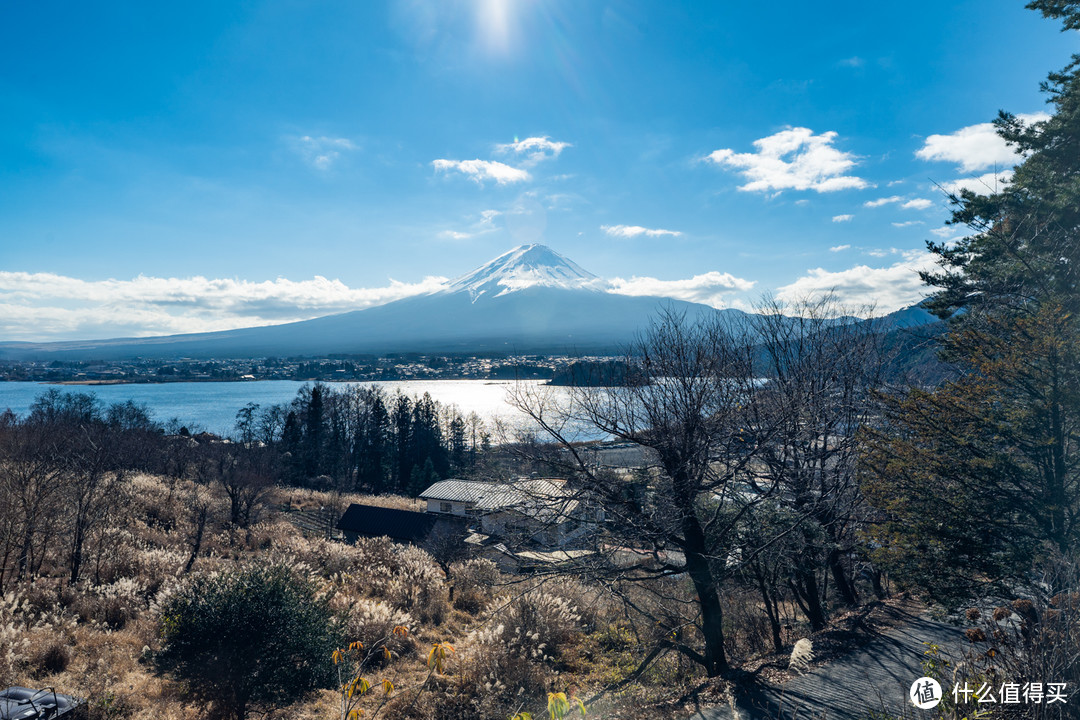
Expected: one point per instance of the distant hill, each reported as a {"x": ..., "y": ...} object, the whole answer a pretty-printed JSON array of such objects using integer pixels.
[{"x": 528, "y": 300}]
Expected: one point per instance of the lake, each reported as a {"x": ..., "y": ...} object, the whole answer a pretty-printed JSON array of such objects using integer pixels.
[{"x": 212, "y": 406}]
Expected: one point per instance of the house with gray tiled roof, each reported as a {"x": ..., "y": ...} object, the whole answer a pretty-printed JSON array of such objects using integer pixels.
[{"x": 540, "y": 511}]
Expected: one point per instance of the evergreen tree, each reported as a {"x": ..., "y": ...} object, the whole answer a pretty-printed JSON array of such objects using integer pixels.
[
  {"x": 979, "y": 479},
  {"x": 372, "y": 436},
  {"x": 427, "y": 440},
  {"x": 314, "y": 433},
  {"x": 456, "y": 444},
  {"x": 423, "y": 476},
  {"x": 401, "y": 422}
]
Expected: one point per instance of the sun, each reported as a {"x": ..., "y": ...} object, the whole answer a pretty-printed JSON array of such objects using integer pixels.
[{"x": 495, "y": 25}]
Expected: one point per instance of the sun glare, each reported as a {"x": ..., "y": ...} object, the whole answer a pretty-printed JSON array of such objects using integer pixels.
[{"x": 494, "y": 25}]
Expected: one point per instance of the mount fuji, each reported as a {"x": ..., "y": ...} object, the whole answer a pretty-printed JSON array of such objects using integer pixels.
[{"x": 530, "y": 299}]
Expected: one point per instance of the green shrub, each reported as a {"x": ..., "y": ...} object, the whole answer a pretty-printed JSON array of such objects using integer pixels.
[{"x": 254, "y": 637}]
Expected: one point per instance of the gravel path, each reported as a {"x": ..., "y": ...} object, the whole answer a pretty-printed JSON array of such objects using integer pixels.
[{"x": 872, "y": 679}]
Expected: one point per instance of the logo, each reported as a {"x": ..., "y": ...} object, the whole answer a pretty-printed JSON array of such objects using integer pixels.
[{"x": 925, "y": 693}]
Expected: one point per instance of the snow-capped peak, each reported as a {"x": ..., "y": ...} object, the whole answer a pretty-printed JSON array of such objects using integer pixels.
[{"x": 523, "y": 267}]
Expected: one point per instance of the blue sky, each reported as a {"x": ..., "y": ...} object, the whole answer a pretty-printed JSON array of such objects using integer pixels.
[{"x": 205, "y": 165}]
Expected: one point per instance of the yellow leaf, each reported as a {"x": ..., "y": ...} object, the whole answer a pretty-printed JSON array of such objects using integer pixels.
[
  {"x": 558, "y": 705},
  {"x": 439, "y": 653},
  {"x": 387, "y": 686}
]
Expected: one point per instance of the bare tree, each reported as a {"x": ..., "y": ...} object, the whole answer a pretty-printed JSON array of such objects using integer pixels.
[
  {"x": 821, "y": 367},
  {"x": 92, "y": 479},
  {"x": 31, "y": 478},
  {"x": 198, "y": 505},
  {"x": 687, "y": 410},
  {"x": 247, "y": 476},
  {"x": 749, "y": 431}
]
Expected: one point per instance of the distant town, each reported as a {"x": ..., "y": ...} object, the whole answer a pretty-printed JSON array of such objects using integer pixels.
[{"x": 403, "y": 366}]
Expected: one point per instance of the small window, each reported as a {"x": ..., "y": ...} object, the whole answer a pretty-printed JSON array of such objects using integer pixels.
[{"x": 446, "y": 507}]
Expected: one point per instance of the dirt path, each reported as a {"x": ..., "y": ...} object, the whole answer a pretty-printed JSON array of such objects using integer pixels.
[{"x": 875, "y": 678}]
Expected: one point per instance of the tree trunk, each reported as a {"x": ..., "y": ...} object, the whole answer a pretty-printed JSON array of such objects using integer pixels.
[
  {"x": 712, "y": 613},
  {"x": 26, "y": 550},
  {"x": 1058, "y": 470},
  {"x": 807, "y": 588},
  {"x": 76, "y": 553},
  {"x": 196, "y": 545},
  {"x": 843, "y": 584},
  {"x": 879, "y": 589},
  {"x": 770, "y": 609}
]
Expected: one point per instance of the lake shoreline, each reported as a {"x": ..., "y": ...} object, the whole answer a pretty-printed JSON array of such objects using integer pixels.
[
  {"x": 326, "y": 381},
  {"x": 212, "y": 404}
]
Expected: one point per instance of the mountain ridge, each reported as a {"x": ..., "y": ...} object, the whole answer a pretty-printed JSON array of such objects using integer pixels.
[
  {"x": 530, "y": 299},
  {"x": 525, "y": 266}
]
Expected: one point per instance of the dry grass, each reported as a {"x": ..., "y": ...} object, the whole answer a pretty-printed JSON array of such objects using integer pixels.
[{"x": 96, "y": 639}]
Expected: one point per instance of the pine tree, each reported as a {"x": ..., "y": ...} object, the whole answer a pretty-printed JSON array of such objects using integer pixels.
[{"x": 979, "y": 480}]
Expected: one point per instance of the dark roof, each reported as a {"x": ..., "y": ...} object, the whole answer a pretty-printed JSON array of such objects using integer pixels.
[
  {"x": 26, "y": 704},
  {"x": 405, "y": 525}
]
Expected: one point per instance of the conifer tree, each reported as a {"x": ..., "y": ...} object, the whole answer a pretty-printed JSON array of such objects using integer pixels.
[{"x": 979, "y": 479}]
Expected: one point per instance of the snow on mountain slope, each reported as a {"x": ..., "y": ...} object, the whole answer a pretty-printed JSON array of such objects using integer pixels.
[{"x": 523, "y": 267}]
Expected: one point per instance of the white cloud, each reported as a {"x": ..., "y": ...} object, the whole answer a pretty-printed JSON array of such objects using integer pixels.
[
  {"x": 629, "y": 231},
  {"x": 839, "y": 248},
  {"x": 793, "y": 159},
  {"x": 882, "y": 201},
  {"x": 975, "y": 147},
  {"x": 842, "y": 218},
  {"x": 455, "y": 235},
  {"x": 981, "y": 185},
  {"x": 710, "y": 288},
  {"x": 950, "y": 234},
  {"x": 480, "y": 170},
  {"x": 908, "y": 223},
  {"x": 535, "y": 149},
  {"x": 885, "y": 289},
  {"x": 36, "y": 306},
  {"x": 322, "y": 152},
  {"x": 482, "y": 225},
  {"x": 917, "y": 204}
]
